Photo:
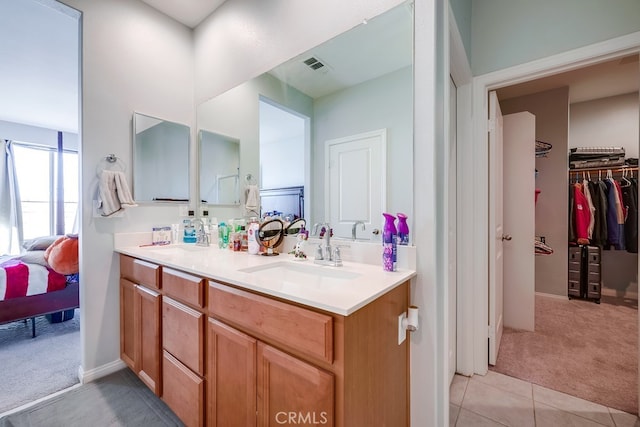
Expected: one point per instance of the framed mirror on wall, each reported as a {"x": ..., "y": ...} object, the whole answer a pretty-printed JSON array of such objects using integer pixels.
[
  {"x": 219, "y": 157},
  {"x": 352, "y": 85},
  {"x": 160, "y": 160}
]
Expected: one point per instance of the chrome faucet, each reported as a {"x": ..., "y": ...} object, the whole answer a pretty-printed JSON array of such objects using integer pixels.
[
  {"x": 353, "y": 229},
  {"x": 202, "y": 238},
  {"x": 324, "y": 254}
]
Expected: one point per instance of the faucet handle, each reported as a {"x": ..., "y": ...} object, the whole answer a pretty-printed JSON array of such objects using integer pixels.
[
  {"x": 319, "y": 253},
  {"x": 337, "y": 258}
]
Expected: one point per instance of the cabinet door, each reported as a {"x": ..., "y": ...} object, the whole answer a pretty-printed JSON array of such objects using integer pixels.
[
  {"x": 231, "y": 366},
  {"x": 128, "y": 329},
  {"x": 148, "y": 305},
  {"x": 291, "y": 391}
]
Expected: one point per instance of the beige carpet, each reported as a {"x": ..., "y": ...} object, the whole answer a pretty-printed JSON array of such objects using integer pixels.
[
  {"x": 31, "y": 368},
  {"x": 581, "y": 348}
]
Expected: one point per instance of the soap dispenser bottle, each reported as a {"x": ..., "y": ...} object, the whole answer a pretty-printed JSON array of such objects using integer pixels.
[
  {"x": 389, "y": 243},
  {"x": 403, "y": 230}
]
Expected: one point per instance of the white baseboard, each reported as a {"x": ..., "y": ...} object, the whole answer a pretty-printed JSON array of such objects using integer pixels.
[
  {"x": 100, "y": 371},
  {"x": 614, "y": 293},
  {"x": 542, "y": 294}
]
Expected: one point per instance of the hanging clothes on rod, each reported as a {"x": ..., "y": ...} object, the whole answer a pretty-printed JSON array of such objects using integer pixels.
[{"x": 604, "y": 212}]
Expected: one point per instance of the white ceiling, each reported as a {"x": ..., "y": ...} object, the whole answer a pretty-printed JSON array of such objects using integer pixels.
[
  {"x": 39, "y": 71},
  {"x": 39, "y": 66},
  {"x": 382, "y": 45},
  {"x": 188, "y": 12}
]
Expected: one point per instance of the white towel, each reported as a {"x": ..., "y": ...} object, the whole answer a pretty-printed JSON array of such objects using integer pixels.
[
  {"x": 114, "y": 192},
  {"x": 252, "y": 198}
]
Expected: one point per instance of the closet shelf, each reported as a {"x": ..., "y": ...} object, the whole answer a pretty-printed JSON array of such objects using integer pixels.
[{"x": 542, "y": 148}]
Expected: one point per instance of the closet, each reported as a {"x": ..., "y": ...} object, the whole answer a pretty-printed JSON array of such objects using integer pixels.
[{"x": 603, "y": 215}]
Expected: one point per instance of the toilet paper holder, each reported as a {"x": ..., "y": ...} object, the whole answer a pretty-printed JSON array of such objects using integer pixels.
[
  {"x": 407, "y": 322},
  {"x": 410, "y": 322}
]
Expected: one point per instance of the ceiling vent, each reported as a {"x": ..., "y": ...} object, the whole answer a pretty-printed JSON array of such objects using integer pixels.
[{"x": 313, "y": 63}]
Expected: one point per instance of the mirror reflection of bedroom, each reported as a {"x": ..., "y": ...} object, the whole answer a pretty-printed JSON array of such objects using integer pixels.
[{"x": 39, "y": 201}]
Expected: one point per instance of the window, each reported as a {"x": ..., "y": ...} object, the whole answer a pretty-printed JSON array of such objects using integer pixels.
[{"x": 36, "y": 172}]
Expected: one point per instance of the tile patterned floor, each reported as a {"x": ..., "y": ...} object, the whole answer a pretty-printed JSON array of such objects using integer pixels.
[{"x": 496, "y": 400}]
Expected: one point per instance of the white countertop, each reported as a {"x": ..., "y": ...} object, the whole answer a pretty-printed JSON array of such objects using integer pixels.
[{"x": 340, "y": 290}]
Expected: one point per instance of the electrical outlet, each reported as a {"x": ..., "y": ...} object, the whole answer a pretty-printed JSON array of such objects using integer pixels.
[
  {"x": 184, "y": 210},
  {"x": 402, "y": 331}
]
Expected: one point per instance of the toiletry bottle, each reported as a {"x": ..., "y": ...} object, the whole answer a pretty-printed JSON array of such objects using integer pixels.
[
  {"x": 253, "y": 247},
  {"x": 403, "y": 230},
  {"x": 389, "y": 242},
  {"x": 189, "y": 235},
  {"x": 223, "y": 236}
]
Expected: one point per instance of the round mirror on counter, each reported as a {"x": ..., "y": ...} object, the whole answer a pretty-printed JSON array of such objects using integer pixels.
[
  {"x": 270, "y": 235},
  {"x": 295, "y": 227}
]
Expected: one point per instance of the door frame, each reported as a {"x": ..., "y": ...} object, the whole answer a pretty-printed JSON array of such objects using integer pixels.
[{"x": 475, "y": 153}]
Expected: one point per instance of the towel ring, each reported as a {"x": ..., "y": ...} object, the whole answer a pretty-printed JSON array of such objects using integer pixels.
[
  {"x": 249, "y": 179},
  {"x": 110, "y": 162}
]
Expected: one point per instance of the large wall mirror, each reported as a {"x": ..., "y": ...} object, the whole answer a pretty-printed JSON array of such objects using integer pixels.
[
  {"x": 160, "y": 160},
  {"x": 219, "y": 168},
  {"x": 335, "y": 122}
]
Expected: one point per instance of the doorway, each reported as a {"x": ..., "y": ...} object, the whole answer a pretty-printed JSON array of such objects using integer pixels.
[
  {"x": 617, "y": 48},
  {"x": 284, "y": 133},
  {"x": 562, "y": 114},
  {"x": 39, "y": 115}
]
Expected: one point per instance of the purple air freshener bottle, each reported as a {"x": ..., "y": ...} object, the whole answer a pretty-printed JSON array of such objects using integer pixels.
[
  {"x": 389, "y": 243},
  {"x": 403, "y": 230}
]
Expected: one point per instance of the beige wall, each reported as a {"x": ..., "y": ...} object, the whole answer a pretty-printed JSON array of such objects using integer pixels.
[
  {"x": 611, "y": 121},
  {"x": 551, "y": 109}
]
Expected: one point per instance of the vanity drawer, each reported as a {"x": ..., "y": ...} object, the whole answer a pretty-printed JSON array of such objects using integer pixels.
[
  {"x": 183, "y": 391},
  {"x": 183, "y": 286},
  {"x": 297, "y": 327},
  {"x": 183, "y": 334},
  {"x": 140, "y": 272}
]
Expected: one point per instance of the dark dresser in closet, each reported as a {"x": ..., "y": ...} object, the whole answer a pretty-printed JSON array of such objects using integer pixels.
[{"x": 585, "y": 272}]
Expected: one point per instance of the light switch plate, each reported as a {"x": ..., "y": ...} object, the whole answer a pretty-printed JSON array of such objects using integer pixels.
[{"x": 402, "y": 332}]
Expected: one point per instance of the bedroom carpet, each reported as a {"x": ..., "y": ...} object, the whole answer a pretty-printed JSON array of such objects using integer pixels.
[
  {"x": 37, "y": 367},
  {"x": 579, "y": 348},
  {"x": 119, "y": 399}
]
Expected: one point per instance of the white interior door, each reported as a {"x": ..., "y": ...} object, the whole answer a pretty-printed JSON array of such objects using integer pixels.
[
  {"x": 519, "y": 162},
  {"x": 453, "y": 213},
  {"x": 356, "y": 170},
  {"x": 496, "y": 229}
]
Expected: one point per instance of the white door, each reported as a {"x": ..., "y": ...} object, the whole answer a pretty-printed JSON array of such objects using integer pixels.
[
  {"x": 453, "y": 212},
  {"x": 519, "y": 162},
  {"x": 496, "y": 231},
  {"x": 355, "y": 183}
]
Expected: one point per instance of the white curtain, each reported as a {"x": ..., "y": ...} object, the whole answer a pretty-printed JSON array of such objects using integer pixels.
[{"x": 10, "y": 206}]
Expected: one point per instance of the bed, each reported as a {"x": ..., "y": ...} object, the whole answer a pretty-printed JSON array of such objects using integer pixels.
[{"x": 29, "y": 287}]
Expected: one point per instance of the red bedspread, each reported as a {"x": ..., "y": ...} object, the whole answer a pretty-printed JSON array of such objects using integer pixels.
[{"x": 18, "y": 279}]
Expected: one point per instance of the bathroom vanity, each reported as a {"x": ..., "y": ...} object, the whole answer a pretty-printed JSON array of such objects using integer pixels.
[{"x": 231, "y": 339}]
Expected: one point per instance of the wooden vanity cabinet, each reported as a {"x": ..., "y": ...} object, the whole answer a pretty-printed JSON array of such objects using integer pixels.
[
  {"x": 140, "y": 320},
  {"x": 219, "y": 355},
  {"x": 183, "y": 335},
  {"x": 252, "y": 383},
  {"x": 311, "y": 367}
]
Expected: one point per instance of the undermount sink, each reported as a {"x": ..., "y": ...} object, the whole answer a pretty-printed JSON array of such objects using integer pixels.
[
  {"x": 176, "y": 249},
  {"x": 297, "y": 272}
]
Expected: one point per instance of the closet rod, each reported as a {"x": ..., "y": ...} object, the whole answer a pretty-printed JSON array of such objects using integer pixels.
[{"x": 612, "y": 169}]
